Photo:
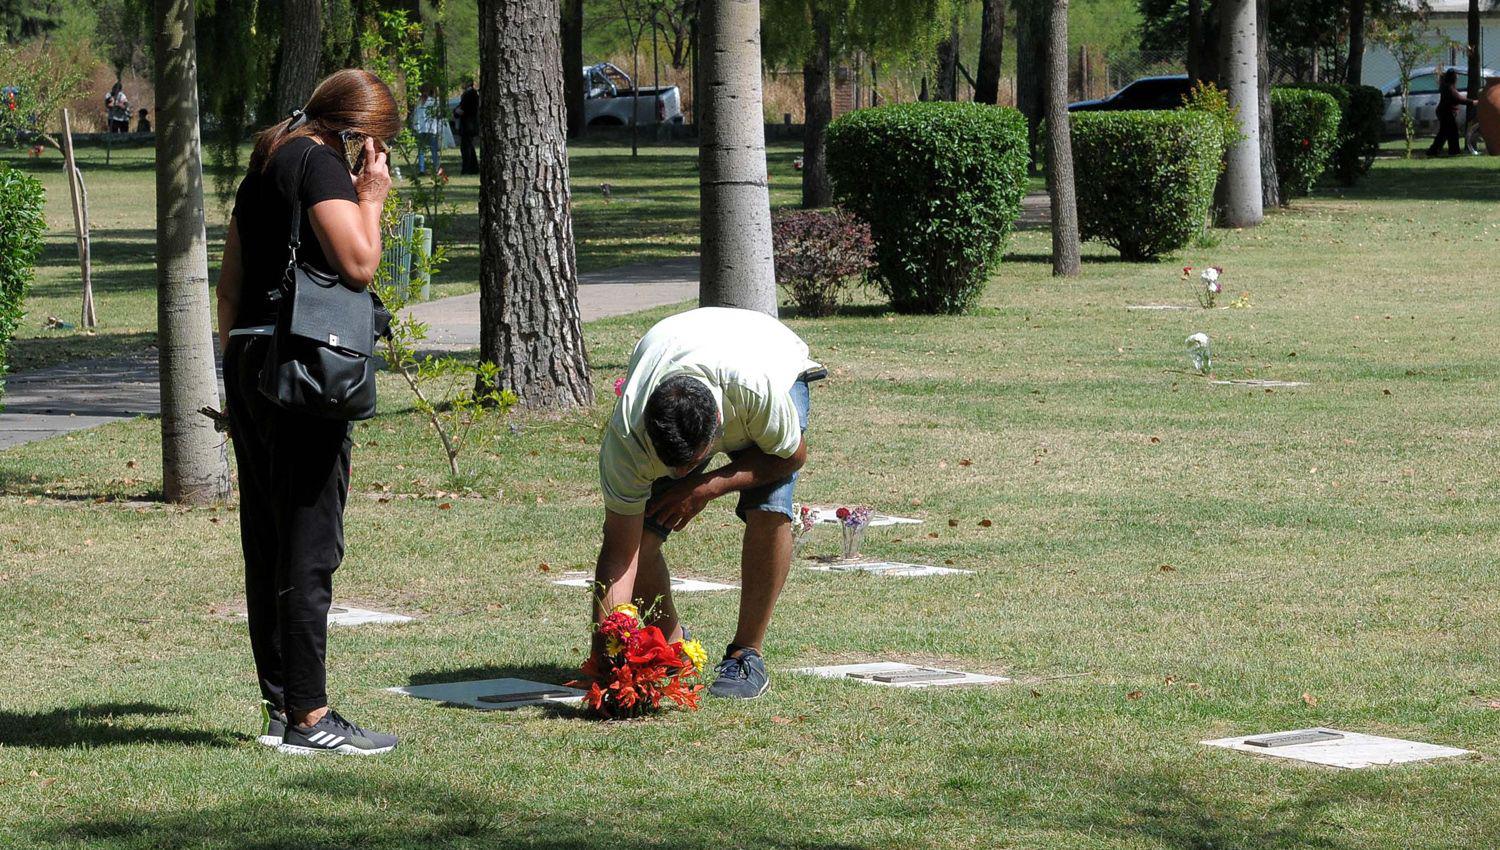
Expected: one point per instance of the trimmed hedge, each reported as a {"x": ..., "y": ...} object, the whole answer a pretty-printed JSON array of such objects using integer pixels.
[
  {"x": 1146, "y": 179},
  {"x": 940, "y": 185},
  {"x": 1306, "y": 135},
  {"x": 21, "y": 229},
  {"x": 1360, "y": 127}
]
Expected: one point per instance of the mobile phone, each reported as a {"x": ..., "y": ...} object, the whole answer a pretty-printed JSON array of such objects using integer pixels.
[{"x": 354, "y": 151}]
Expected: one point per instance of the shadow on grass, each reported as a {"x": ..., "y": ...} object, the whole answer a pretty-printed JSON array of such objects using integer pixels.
[
  {"x": 98, "y": 725},
  {"x": 549, "y": 674},
  {"x": 1100, "y": 259},
  {"x": 369, "y": 812},
  {"x": 37, "y": 352},
  {"x": 1458, "y": 179}
]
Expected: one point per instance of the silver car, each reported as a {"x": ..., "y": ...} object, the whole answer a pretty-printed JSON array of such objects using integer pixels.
[{"x": 1424, "y": 100}]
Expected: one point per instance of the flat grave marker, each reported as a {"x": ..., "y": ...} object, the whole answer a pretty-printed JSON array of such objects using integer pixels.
[
  {"x": 893, "y": 674},
  {"x": 828, "y": 515},
  {"x": 888, "y": 568},
  {"x": 1336, "y": 748},
  {"x": 1256, "y": 382},
  {"x": 494, "y": 694},
  {"x": 679, "y": 585},
  {"x": 1155, "y": 307},
  {"x": 338, "y": 615}
]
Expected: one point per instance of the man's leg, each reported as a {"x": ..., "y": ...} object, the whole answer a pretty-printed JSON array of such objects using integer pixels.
[{"x": 765, "y": 560}]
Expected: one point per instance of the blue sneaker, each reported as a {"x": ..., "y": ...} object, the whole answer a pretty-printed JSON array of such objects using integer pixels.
[
  {"x": 272, "y": 725},
  {"x": 741, "y": 676}
]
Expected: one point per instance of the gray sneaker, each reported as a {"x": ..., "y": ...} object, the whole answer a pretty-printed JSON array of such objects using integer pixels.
[
  {"x": 272, "y": 725},
  {"x": 334, "y": 734},
  {"x": 741, "y": 676}
]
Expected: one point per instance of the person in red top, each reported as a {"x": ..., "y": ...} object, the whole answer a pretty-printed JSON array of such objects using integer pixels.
[{"x": 1450, "y": 99}]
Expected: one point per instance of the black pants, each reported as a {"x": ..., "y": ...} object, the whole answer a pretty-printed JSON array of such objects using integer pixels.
[
  {"x": 294, "y": 481},
  {"x": 466, "y": 146},
  {"x": 1447, "y": 132}
]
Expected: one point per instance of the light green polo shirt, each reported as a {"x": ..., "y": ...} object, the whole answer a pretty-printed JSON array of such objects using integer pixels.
[{"x": 749, "y": 362}]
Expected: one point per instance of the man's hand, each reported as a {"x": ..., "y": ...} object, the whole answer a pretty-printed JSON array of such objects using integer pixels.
[{"x": 677, "y": 506}]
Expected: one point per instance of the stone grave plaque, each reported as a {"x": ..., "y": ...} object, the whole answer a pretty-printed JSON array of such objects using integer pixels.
[
  {"x": 828, "y": 515},
  {"x": 1349, "y": 750},
  {"x": 1256, "y": 382},
  {"x": 340, "y": 615},
  {"x": 1312, "y": 736},
  {"x": 888, "y": 568},
  {"x": 493, "y": 694},
  {"x": 679, "y": 585},
  {"x": 1155, "y": 307},
  {"x": 894, "y": 674}
]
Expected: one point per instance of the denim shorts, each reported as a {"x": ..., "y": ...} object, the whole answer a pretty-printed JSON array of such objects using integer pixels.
[{"x": 775, "y": 497}]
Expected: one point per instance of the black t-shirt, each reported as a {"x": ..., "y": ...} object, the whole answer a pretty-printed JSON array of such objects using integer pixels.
[
  {"x": 263, "y": 215},
  {"x": 468, "y": 123}
]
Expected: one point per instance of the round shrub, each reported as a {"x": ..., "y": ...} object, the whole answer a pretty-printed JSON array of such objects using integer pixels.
[
  {"x": 21, "y": 229},
  {"x": 1306, "y": 134},
  {"x": 818, "y": 252},
  {"x": 940, "y": 185},
  {"x": 1360, "y": 127},
  {"x": 1146, "y": 179}
]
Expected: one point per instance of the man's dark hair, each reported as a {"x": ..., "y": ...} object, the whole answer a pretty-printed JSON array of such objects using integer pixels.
[{"x": 682, "y": 419}]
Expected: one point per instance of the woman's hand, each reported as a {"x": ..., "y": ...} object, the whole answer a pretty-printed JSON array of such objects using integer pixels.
[{"x": 374, "y": 182}]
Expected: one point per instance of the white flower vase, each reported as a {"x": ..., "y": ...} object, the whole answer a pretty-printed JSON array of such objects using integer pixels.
[{"x": 853, "y": 536}]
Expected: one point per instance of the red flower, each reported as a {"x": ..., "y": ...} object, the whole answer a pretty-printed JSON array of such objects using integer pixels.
[
  {"x": 618, "y": 625},
  {"x": 842, "y": 513},
  {"x": 648, "y": 646},
  {"x": 1187, "y": 269},
  {"x": 1306, "y": 143}
]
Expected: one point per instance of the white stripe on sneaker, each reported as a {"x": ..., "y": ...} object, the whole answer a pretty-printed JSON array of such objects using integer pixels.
[
  {"x": 319, "y": 737},
  {"x": 337, "y": 739}
]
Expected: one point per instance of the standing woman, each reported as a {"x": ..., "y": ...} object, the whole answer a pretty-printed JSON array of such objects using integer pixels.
[
  {"x": 425, "y": 122},
  {"x": 1450, "y": 99},
  {"x": 330, "y": 158}
]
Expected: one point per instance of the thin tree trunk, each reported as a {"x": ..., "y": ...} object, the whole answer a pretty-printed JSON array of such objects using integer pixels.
[
  {"x": 1270, "y": 182},
  {"x": 817, "y": 103},
  {"x": 737, "y": 266},
  {"x": 947, "y": 72},
  {"x": 528, "y": 276},
  {"x": 1195, "y": 40},
  {"x": 1355, "y": 67},
  {"x": 1240, "y": 66},
  {"x": 301, "y": 49},
  {"x": 991, "y": 52},
  {"x": 572, "y": 62},
  {"x": 1065, "y": 260},
  {"x": 1476, "y": 63},
  {"x": 195, "y": 467},
  {"x": 1031, "y": 63}
]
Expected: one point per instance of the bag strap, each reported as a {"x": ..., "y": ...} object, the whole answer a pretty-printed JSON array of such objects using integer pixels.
[{"x": 294, "y": 233}]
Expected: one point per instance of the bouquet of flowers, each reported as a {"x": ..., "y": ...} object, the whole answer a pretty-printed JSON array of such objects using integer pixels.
[
  {"x": 854, "y": 521},
  {"x": 801, "y": 526},
  {"x": 1208, "y": 288},
  {"x": 1199, "y": 353},
  {"x": 639, "y": 670}
]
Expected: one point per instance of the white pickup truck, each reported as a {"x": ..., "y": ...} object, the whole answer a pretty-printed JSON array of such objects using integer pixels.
[{"x": 610, "y": 96}]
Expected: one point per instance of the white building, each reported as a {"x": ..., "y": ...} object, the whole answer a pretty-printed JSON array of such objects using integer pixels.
[{"x": 1450, "y": 24}]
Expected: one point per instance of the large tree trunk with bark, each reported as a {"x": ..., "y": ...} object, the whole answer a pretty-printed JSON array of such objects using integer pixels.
[
  {"x": 1355, "y": 68},
  {"x": 817, "y": 103},
  {"x": 991, "y": 52},
  {"x": 947, "y": 67},
  {"x": 195, "y": 466},
  {"x": 301, "y": 50},
  {"x": 1065, "y": 260},
  {"x": 572, "y": 62},
  {"x": 1031, "y": 62},
  {"x": 737, "y": 268},
  {"x": 1270, "y": 183},
  {"x": 1240, "y": 66},
  {"x": 528, "y": 276}
]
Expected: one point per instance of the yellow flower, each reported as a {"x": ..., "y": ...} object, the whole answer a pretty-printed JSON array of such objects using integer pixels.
[
  {"x": 694, "y": 651},
  {"x": 613, "y": 646},
  {"x": 628, "y": 609}
]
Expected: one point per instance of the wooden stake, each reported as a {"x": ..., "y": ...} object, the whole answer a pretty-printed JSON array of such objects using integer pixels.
[{"x": 80, "y": 199}]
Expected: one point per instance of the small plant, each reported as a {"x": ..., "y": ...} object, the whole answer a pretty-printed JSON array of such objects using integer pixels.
[
  {"x": 21, "y": 230},
  {"x": 1207, "y": 288},
  {"x": 818, "y": 252},
  {"x": 1306, "y": 135},
  {"x": 1214, "y": 102}
]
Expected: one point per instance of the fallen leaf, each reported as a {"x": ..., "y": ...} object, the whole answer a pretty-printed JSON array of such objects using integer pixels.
[
  {"x": 949, "y": 562},
  {"x": 445, "y": 506},
  {"x": 953, "y": 523},
  {"x": 1309, "y": 699},
  {"x": 544, "y": 567},
  {"x": 942, "y": 464},
  {"x": 932, "y": 534},
  {"x": 1134, "y": 695},
  {"x": 1167, "y": 568},
  {"x": 1156, "y": 439},
  {"x": 130, "y": 464},
  {"x": 984, "y": 523},
  {"x": 966, "y": 462},
  {"x": 1170, "y": 680},
  {"x": 776, "y": 718},
  {"x": 1035, "y": 692},
  {"x": 1493, "y": 704}
]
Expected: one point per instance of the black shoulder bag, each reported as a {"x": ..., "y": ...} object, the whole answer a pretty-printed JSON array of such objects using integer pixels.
[{"x": 321, "y": 357}]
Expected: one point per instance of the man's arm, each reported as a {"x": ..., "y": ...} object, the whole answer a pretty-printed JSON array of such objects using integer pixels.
[
  {"x": 619, "y": 559},
  {"x": 751, "y": 468}
]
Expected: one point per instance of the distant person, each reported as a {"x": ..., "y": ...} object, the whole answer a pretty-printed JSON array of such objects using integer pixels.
[
  {"x": 117, "y": 109},
  {"x": 1450, "y": 100},
  {"x": 142, "y": 121},
  {"x": 426, "y": 123},
  {"x": 468, "y": 126},
  {"x": 330, "y": 158}
]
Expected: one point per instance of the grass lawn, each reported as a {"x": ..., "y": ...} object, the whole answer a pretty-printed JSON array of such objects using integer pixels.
[
  {"x": 1168, "y": 561},
  {"x": 653, "y": 215}
]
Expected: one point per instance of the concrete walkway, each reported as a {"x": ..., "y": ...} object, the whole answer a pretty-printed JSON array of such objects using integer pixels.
[{"x": 59, "y": 400}]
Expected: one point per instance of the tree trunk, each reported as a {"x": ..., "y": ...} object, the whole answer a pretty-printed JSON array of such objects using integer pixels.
[
  {"x": 1355, "y": 68},
  {"x": 947, "y": 71},
  {"x": 301, "y": 48},
  {"x": 1195, "y": 40},
  {"x": 737, "y": 266},
  {"x": 1476, "y": 63},
  {"x": 1270, "y": 183},
  {"x": 528, "y": 276},
  {"x": 195, "y": 467},
  {"x": 572, "y": 62},
  {"x": 817, "y": 102},
  {"x": 1031, "y": 63},
  {"x": 1240, "y": 66},
  {"x": 1065, "y": 261},
  {"x": 991, "y": 52}
]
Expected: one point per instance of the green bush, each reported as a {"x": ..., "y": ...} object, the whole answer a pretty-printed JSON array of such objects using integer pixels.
[
  {"x": 21, "y": 228},
  {"x": 1146, "y": 179},
  {"x": 1360, "y": 127},
  {"x": 1214, "y": 101},
  {"x": 1306, "y": 135},
  {"x": 940, "y": 185}
]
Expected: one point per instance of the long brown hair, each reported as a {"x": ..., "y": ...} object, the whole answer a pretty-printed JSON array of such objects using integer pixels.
[{"x": 351, "y": 99}]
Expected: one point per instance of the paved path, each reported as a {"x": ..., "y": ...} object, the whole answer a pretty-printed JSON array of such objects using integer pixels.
[{"x": 62, "y": 399}]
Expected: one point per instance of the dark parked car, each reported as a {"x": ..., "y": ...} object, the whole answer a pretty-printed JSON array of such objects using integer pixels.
[{"x": 1145, "y": 93}]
